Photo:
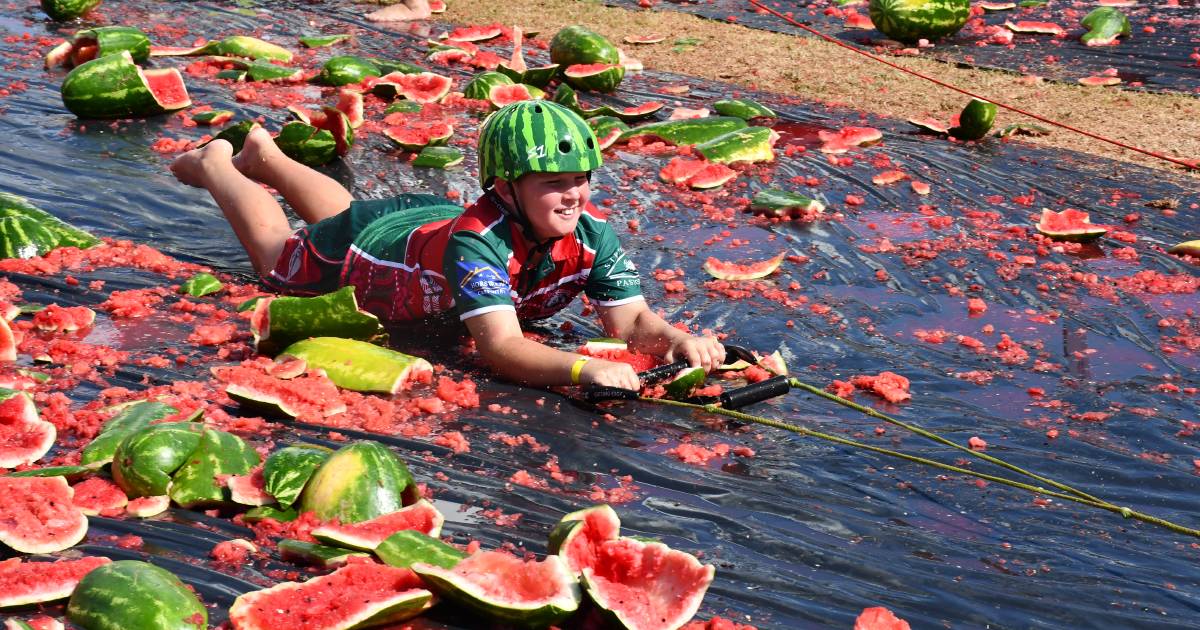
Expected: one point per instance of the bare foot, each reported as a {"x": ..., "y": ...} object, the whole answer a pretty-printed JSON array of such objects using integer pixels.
[
  {"x": 257, "y": 151},
  {"x": 196, "y": 166},
  {"x": 401, "y": 11}
]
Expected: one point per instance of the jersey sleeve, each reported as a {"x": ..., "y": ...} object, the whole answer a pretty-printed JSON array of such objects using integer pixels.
[
  {"x": 478, "y": 276},
  {"x": 614, "y": 279}
]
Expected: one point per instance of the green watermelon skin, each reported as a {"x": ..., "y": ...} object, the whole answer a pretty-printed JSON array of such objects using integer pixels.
[
  {"x": 63, "y": 10},
  {"x": 130, "y": 420},
  {"x": 66, "y": 235},
  {"x": 135, "y": 595},
  {"x": 911, "y": 20},
  {"x": 688, "y": 131},
  {"x": 347, "y": 69},
  {"x": 578, "y": 45},
  {"x": 480, "y": 86},
  {"x": 306, "y": 144},
  {"x": 109, "y": 87},
  {"x": 111, "y": 40},
  {"x": 218, "y": 454},
  {"x": 144, "y": 462},
  {"x": 22, "y": 237},
  {"x": 288, "y": 469},
  {"x": 359, "y": 482}
]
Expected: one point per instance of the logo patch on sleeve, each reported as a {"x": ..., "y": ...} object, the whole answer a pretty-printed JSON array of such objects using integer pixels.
[{"x": 480, "y": 280}]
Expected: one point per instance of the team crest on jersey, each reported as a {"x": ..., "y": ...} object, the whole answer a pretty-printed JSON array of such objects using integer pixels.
[{"x": 480, "y": 280}]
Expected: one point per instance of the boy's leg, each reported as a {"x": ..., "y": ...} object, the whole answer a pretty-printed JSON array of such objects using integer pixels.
[
  {"x": 313, "y": 195},
  {"x": 400, "y": 11},
  {"x": 256, "y": 217}
]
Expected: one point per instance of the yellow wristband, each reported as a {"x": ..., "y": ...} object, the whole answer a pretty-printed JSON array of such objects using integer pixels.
[{"x": 577, "y": 369}]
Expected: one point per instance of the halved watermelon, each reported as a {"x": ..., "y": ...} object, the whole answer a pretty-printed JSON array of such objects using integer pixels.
[
  {"x": 579, "y": 535},
  {"x": 415, "y": 135},
  {"x": 847, "y": 138},
  {"x": 722, "y": 270},
  {"x": 423, "y": 87},
  {"x": 646, "y": 585},
  {"x": 507, "y": 590},
  {"x": 421, "y": 516},
  {"x": 598, "y": 77},
  {"x": 1069, "y": 225},
  {"x": 25, "y": 583},
  {"x": 311, "y": 395},
  {"x": 359, "y": 594},
  {"x": 37, "y": 515}
]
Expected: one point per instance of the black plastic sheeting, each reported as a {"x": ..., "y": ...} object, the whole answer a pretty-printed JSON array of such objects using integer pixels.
[
  {"x": 1161, "y": 55},
  {"x": 805, "y": 534}
]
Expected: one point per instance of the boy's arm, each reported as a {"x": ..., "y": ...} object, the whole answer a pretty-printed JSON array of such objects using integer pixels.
[
  {"x": 499, "y": 340},
  {"x": 646, "y": 332}
]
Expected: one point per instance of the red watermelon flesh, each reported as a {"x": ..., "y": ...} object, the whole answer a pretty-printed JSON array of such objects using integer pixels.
[
  {"x": 145, "y": 507},
  {"x": 425, "y": 87},
  {"x": 339, "y": 125},
  {"x": 437, "y": 6},
  {"x": 711, "y": 176},
  {"x": 638, "y": 361},
  {"x": 1099, "y": 81},
  {"x": 501, "y": 95},
  {"x": 681, "y": 169},
  {"x": 83, "y": 52},
  {"x": 98, "y": 496},
  {"x": 23, "y": 583},
  {"x": 37, "y": 515},
  {"x": 1027, "y": 26},
  {"x": 1070, "y": 224},
  {"x": 312, "y": 396},
  {"x": 421, "y": 516},
  {"x": 8, "y": 343},
  {"x": 501, "y": 576},
  {"x": 40, "y": 622},
  {"x": 645, "y": 109},
  {"x": 583, "y": 548},
  {"x": 588, "y": 69},
  {"x": 350, "y": 103},
  {"x": 55, "y": 318},
  {"x": 475, "y": 33},
  {"x": 24, "y": 438},
  {"x": 168, "y": 88},
  {"x": 517, "y": 61},
  {"x": 342, "y": 599},
  {"x": 609, "y": 138},
  {"x": 647, "y": 585},
  {"x": 249, "y": 489}
]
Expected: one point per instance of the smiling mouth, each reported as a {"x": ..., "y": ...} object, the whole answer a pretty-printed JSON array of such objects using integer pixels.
[{"x": 566, "y": 212}]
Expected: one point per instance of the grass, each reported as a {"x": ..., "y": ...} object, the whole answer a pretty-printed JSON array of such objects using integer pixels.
[{"x": 815, "y": 70}]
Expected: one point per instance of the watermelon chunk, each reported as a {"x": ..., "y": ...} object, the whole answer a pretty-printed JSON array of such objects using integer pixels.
[
  {"x": 421, "y": 516},
  {"x": 507, "y": 590},
  {"x": 24, "y": 437},
  {"x": 24, "y": 583},
  {"x": 37, "y": 515},
  {"x": 646, "y": 585}
]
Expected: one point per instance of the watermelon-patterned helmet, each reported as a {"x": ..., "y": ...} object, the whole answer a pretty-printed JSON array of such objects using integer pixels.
[{"x": 535, "y": 137}]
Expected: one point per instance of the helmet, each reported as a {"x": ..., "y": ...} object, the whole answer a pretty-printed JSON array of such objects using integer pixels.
[{"x": 535, "y": 137}]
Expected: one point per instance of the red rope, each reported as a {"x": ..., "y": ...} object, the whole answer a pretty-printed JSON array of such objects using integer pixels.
[{"x": 1191, "y": 164}]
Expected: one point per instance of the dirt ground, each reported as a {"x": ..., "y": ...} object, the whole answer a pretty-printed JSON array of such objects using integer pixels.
[{"x": 813, "y": 69}]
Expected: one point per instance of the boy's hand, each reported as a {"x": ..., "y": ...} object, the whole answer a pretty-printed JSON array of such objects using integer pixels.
[
  {"x": 706, "y": 352},
  {"x": 609, "y": 373}
]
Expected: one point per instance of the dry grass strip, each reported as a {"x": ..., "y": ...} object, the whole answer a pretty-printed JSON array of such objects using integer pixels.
[{"x": 816, "y": 70}]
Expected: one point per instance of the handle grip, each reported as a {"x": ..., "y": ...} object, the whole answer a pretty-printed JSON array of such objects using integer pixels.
[{"x": 758, "y": 392}]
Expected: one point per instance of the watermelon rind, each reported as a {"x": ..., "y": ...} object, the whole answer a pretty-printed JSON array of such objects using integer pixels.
[
  {"x": 626, "y": 114},
  {"x": 130, "y": 594},
  {"x": 25, "y": 437},
  {"x": 144, "y": 462},
  {"x": 287, "y": 470},
  {"x": 306, "y": 144},
  {"x": 751, "y": 144},
  {"x": 262, "y": 513},
  {"x": 321, "y": 41},
  {"x": 128, "y": 421},
  {"x": 250, "y": 47},
  {"x": 687, "y": 380},
  {"x": 480, "y": 86},
  {"x": 359, "y": 482},
  {"x": 540, "y": 76},
  {"x": 600, "y": 77},
  {"x": 469, "y": 587},
  {"x": 438, "y": 157},
  {"x": 146, "y": 507},
  {"x": 67, "y": 234},
  {"x": 316, "y": 555},
  {"x": 108, "y": 40},
  {"x": 256, "y": 611},
  {"x": 218, "y": 453},
  {"x": 573, "y": 530},
  {"x": 579, "y": 45},
  {"x": 1186, "y": 248},
  {"x": 781, "y": 203},
  {"x": 631, "y": 606},
  {"x": 1105, "y": 25},
  {"x": 597, "y": 344},
  {"x": 23, "y": 237},
  {"x": 57, "y": 580},
  {"x": 1083, "y": 231},
  {"x": 743, "y": 108},
  {"x": 63, "y": 10},
  {"x": 911, "y": 20},
  {"x": 346, "y": 69},
  {"x": 688, "y": 131},
  {"x": 403, "y": 107},
  {"x": 975, "y": 121},
  {"x": 201, "y": 284},
  {"x": 723, "y": 271},
  {"x": 54, "y": 524},
  {"x": 408, "y": 547},
  {"x": 358, "y": 536},
  {"x": 286, "y": 320},
  {"x": 71, "y": 473}
]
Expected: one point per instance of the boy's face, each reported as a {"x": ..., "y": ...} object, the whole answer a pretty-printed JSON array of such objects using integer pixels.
[{"x": 552, "y": 201}]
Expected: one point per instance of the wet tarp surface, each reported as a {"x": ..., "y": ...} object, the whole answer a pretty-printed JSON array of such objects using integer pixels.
[
  {"x": 1082, "y": 366},
  {"x": 1160, "y": 55}
]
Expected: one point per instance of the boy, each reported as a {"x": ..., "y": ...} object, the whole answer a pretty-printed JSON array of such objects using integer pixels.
[{"x": 522, "y": 251}]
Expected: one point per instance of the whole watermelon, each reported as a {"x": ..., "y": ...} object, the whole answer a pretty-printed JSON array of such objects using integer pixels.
[{"x": 911, "y": 20}]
